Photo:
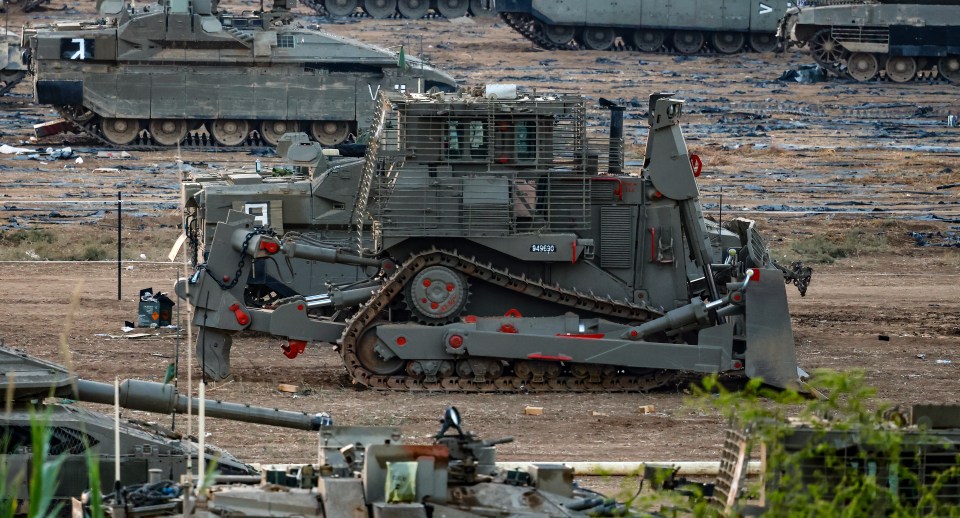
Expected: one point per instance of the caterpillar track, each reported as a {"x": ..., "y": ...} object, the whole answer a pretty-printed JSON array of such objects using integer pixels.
[
  {"x": 194, "y": 141},
  {"x": 552, "y": 378},
  {"x": 535, "y": 31},
  {"x": 838, "y": 65},
  {"x": 474, "y": 9}
]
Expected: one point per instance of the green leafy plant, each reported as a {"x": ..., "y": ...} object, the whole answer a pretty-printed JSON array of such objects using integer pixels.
[{"x": 45, "y": 475}]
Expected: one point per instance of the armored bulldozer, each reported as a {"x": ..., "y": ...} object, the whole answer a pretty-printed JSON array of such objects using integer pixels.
[
  {"x": 413, "y": 9},
  {"x": 365, "y": 474},
  {"x": 155, "y": 75},
  {"x": 511, "y": 254},
  {"x": 27, "y": 381},
  {"x": 899, "y": 41},
  {"x": 12, "y": 70},
  {"x": 685, "y": 27}
]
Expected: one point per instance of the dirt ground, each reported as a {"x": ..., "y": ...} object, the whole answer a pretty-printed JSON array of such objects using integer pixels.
[{"x": 874, "y": 162}]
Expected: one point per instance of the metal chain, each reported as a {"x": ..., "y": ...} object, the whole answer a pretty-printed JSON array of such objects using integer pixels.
[
  {"x": 798, "y": 274},
  {"x": 257, "y": 231}
]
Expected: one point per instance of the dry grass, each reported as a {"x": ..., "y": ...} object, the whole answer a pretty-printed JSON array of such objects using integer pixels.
[{"x": 143, "y": 239}]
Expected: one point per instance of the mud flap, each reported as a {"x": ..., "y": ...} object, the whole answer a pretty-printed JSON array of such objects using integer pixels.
[
  {"x": 770, "y": 350},
  {"x": 213, "y": 352}
]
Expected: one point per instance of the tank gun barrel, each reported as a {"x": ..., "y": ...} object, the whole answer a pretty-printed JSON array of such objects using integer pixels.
[{"x": 164, "y": 399}]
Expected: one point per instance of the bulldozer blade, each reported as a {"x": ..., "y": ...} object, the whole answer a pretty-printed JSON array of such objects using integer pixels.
[
  {"x": 213, "y": 352},
  {"x": 770, "y": 354}
]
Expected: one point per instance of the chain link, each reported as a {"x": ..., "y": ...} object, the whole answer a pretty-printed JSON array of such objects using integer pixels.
[{"x": 257, "y": 231}]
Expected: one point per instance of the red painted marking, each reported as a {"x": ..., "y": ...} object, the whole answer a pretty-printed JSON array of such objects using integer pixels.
[
  {"x": 269, "y": 246},
  {"x": 696, "y": 164},
  {"x": 450, "y": 287},
  {"x": 557, "y": 358},
  {"x": 242, "y": 318},
  {"x": 226, "y": 278},
  {"x": 424, "y": 300},
  {"x": 737, "y": 297},
  {"x": 574, "y": 246},
  {"x": 456, "y": 341},
  {"x": 299, "y": 307},
  {"x": 756, "y": 275},
  {"x": 512, "y": 313},
  {"x": 738, "y": 365},
  {"x": 508, "y": 328},
  {"x": 294, "y": 348},
  {"x": 470, "y": 319},
  {"x": 584, "y": 336},
  {"x": 426, "y": 283},
  {"x": 434, "y": 305},
  {"x": 658, "y": 195},
  {"x": 634, "y": 333},
  {"x": 618, "y": 190},
  {"x": 653, "y": 244},
  {"x": 401, "y": 341}
]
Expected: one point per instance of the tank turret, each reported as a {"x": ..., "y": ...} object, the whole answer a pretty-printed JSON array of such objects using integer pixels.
[{"x": 186, "y": 73}]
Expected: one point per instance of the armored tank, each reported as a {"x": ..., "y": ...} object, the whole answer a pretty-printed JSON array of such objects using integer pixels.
[
  {"x": 76, "y": 431},
  {"x": 513, "y": 254},
  {"x": 12, "y": 70},
  {"x": 868, "y": 40},
  {"x": 685, "y": 27},
  {"x": 365, "y": 474},
  {"x": 154, "y": 75},
  {"x": 413, "y": 9}
]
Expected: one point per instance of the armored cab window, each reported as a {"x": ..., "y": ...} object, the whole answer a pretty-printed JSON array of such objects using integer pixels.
[
  {"x": 286, "y": 41},
  {"x": 477, "y": 140},
  {"x": 526, "y": 141},
  {"x": 452, "y": 140}
]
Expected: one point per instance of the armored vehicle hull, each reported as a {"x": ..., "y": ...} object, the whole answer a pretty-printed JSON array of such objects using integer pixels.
[
  {"x": 685, "y": 27},
  {"x": 157, "y": 76},
  {"x": 511, "y": 259},
  {"x": 12, "y": 70},
  {"x": 413, "y": 9},
  {"x": 896, "y": 41}
]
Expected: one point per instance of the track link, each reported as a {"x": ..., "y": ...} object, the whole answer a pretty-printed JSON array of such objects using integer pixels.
[
  {"x": 371, "y": 314},
  {"x": 529, "y": 28}
]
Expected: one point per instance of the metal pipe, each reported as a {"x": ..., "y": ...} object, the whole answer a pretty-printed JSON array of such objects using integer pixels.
[
  {"x": 327, "y": 255},
  {"x": 164, "y": 399}
]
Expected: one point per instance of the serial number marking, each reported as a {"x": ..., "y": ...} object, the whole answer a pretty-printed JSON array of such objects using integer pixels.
[{"x": 543, "y": 249}]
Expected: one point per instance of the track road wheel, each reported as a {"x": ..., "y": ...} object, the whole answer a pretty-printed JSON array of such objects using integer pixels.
[
  {"x": 413, "y": 9},
  {"x": 862, "y": 66},
  {"x": 168, "y": 132},
  {"x": 271, "y": 131},
  {"x": 380, "y": 9},
  {"x": 371, "y": 353},
  {"x": 901, "y": 69},
  {"x": 598, "y": 38},
  {"x": 330, "y": 133},
  {"x": 949, "y": 67},
  {"x": 648, "y": 40},
  {"x": 483, "y": 8},
  {"x": 341, "y": 7},
  {"x": 826, "y": 50},
  {"x": 688, "y": 42},
  {"x": 120, "y": 131},
  {"x": 763, "y": 41},
  {"x": 728, "y": 42},
  {"x": 453, "y": 8},
  {"x": 437, "y": 295},
  {"x": 230, "y": 132},
  {"x": 558, "y": 34}
]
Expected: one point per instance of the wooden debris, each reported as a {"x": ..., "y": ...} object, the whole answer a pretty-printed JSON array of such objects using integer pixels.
[
  {"x": 647, "y": 409},
  {"x": 533, "y": 410},
  {"x": 594, "y": 413},
  {"x": 291, "y": 389}
]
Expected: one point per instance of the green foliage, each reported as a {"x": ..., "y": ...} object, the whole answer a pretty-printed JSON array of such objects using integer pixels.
[
  {"x": 8, "y": 487},
  {"x": 848, "y": 460},
  {"x": 826, "y": 249},
  {"x": 26, "y": 237},
  {"x": 88, "y": 253},
  {"x": 93, "y": 476},
  {"x": 45, "y": 475}
]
